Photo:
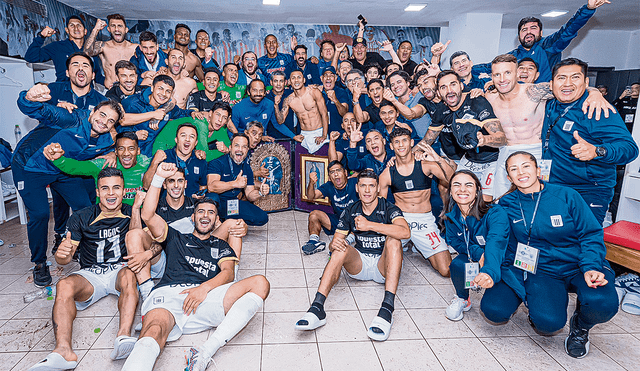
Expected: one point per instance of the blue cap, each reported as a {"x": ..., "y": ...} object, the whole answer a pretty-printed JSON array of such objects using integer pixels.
[
  {"x": 329, "y": 69},
  {"x": 74, "y": 17}
]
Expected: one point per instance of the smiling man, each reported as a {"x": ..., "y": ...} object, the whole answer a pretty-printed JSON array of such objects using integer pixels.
[
  {"x": 309, "y": 70},
  {"x": 185, "y": 85},
  {"x": 230, "y": 84},
  {"x": 182, "y": 40},
  {"x": 126, "y": 85},
  {"x": 249, "y": 70},
  {"x": 148, "y": 58},
  {"x": 527, "y": 71}
]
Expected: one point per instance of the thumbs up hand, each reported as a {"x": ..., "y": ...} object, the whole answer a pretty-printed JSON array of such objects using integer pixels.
[
  {"x": 241, "y": 180},
  {"x": 65, "y": 248},
  {"x": 582, "y": 150}
]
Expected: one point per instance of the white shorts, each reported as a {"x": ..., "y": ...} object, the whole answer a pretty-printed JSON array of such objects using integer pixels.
[
  {"x": 501, "y": 183},
  {"x": 370, "y": 271},
  {"x": 157, "y": 269},
  {"x": 484, "y": 172},
  {"x": 209, "y": 313},
  {"x": 425, "y": 235},
  {"x": 103, "y": 280},
  {"x": 309, "y": 141}
]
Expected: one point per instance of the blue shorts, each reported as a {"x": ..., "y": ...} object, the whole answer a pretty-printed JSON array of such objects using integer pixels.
[{"x": 334, "y": 219}]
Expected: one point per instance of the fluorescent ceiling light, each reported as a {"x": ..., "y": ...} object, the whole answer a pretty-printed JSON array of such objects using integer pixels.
[
  {"x": 414, "y": 7},
  {"x": 270, "y": 2},
  {"x": 554, "y": 13}
]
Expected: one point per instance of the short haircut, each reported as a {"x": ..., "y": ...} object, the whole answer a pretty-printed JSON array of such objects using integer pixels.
[
  {"x": 369, "y": 66},
  {"x": 248, "y": 52},
  {"x": 74, "y": 17},
  {"x": 127, "y": 135},
  {"x": 186, "y": 125},
  {"x": 108, "y": 172},
  {"x": 527, "y": 59},
  {"x": 505, "y": 58},
  {"x": 406, "y": 42},
  {"x": 300, "y": 46},
  {"x": 201, "y": 30},
  {"x": 164, "y": 78},
  {"x": 211, "y": 70},
  {"x": 335, "y": 162},
  {"x": 398, "y": 132},
  {"x": 147, "y": 36},
  {"x": 526, "y": 20},
  {"x": 636, "y": 83},
  {"x": 456, "y": 55},
  {"x": 116, "y": 16},
  {"x": 391, "y": 64},
  {"x": 180, "y": 170},
  {"x": 446, "y": 73},
  {"x": 375, "y": 81},
  {"x": 570, "y": 62},
  {"x": 81, "y": 54},
  {"x": 270, "y": 35},
  {"x": 602, "y": 86},
  {"x": 229, "y": 65},
  {"x": 356, "y": 71},
  {"x": 182, "y": 25},
  {"x": 220, "y": 104},
  {"x": 113, "y": 105},
  {"x": 204, "y": 200},
  {"x": 126, "y": 65},
  {"x": 278, "y": 73},
  {"x": 256, "y": 124},
  {"x": 385, "y": 103},
  {"x": 345, "y": 61},
  {"x": 330, "y": 42},
  {"x": 171, "y": 50},
  {"x": 405, "y": 76},
  {"x": 368, "y": 173},
  {"x": 419, "y": 74},
  {"x": 240, "y": 135},
  {"x": 256, "y": 80}
]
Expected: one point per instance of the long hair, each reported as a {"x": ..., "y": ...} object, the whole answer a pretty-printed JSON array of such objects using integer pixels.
[
  {"x": 506, "y": 166},
  {"x": 478, "y": 207}
]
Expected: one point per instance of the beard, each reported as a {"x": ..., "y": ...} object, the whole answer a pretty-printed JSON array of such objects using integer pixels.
[{"x": 529, "y": 44}]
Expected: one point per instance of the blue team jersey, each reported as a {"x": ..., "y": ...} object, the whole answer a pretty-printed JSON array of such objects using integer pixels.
[
  {"x": 340, "y": 199},
  {"x": 282, "y": 62},
  {"x": 335, "y": 120},
  {"x": 195, "y": 170},
  {"x": 228, "y": 171}
]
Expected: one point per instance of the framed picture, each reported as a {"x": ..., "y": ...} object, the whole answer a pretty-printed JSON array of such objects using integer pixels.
[
  {"x": 314, "y": 164},
  {"x": 275, "y": 157}
]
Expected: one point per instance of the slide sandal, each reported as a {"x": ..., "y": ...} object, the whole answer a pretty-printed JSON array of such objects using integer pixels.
[
  {"x": 631, "y": 303},
  {"x": 54, "y": 362},
  {"x": 381, "y": 324},
  {"x": 312, "y": 322},
  {"x": 122, "y": 347}
]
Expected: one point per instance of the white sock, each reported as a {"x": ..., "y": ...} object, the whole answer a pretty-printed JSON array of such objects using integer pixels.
[
  {"x": 236, "y": 319},
  {"x": 314, "y": 237},
  {"x": 145, "y": 289},
  {"x": 143, "y": 356},
  {"x": 351, "y": 238}
]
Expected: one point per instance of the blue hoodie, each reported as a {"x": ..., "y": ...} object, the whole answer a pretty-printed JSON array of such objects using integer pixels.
[
  {"x": 58, "y": 52},
  {"x": 569, "y": 239},
  {"x": 71, "y": 130},
  {"x": 139, "y": 61},
  {"x": 610, "y": 133}
]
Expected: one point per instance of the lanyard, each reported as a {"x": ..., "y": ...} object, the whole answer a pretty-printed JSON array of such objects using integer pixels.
[
  {"x": 466, "y": 233},
  {"x": 231, "y": 167},
  {"x": 535, "y": 210},
  {"x": 548, "y": 135}
]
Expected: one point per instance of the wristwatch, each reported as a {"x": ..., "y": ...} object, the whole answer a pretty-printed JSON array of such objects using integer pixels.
[{"x": 601, "y": 151}]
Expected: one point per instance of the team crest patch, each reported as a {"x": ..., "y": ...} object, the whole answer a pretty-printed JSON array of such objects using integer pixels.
[
  {"x": 467, "y": 116},
  {"x": 238, "y": 94},
  {"x": 556, "y": 220},
  {"x": 215, "y": 253},
  {"x": 282, "y": 63},
  {"x": 483, "y": 115},
  {"x": 567, "y": 125},
  {"x": 408, "y": 184},
  {"x": 158, "y": 300},
  {"x": 264, "y": 116}
]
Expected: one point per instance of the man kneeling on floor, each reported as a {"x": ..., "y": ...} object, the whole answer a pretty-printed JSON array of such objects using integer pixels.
[
  {"x": 196, "y": 291},
  {"x": 378, "y": 226}
]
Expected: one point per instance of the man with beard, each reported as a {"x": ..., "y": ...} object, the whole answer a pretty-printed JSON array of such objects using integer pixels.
[
  {"x": 205, "y": 52},
  {"x": 183, "y": 155},
  {"x": 339, "y": 141},
  {"x": 335, "y": 99},
  {"x": 196, "y": 291},
  {"x": 274, "y": 61},
  {"x": 148, "y": 58},
  {"x": 85, "y": 135},
  {"x": 547, "y": 51},
  {"x": 98, "y": 232},
  {"x": 309, "y": 70},
  {"x": 341, "y": 193},
  {"x": 398, "y": 90},
  {"x": 256, "y": 108},
  {"x": 410, "y": 183},
  {"x": 128, "y": 160},
  {"x": 182, "y": 39},
  {"x": 230, "y": 84},
  {"x": 371, "y": 113},
  {"x": 203, "y": 100},
  {"x": 527, "y": 71},
  {"x": 308, "y": 105},
  {"x": 112, "y": 51},
  {"x": 185, "y": 85},
  {"x": 278, "y": 88},
  {"x": 58, "y": 51},
  {"x": 249, "y": 71},
  {"x": 230, "y": 176},
  {"x": 126, "y": 85}
]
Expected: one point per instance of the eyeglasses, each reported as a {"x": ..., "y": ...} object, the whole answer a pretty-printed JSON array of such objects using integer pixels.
[{"x": 353, "y": 80}]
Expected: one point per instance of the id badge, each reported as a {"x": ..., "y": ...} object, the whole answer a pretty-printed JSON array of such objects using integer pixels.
[
  {"x": 545, "y": 169},
  {"x": 526, "y": 258},
  {"x": 471, "y": 270},
  {"x": 628, "y": 118},
  {"x": 233, "y": 207}
]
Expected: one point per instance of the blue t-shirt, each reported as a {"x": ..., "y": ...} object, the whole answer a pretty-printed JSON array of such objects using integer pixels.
[
  {"x": 195, "y": 170},
  {"x": 335, "y": 120},
  {"x": 246, "y": 111},
  {"x": 228, "y": 171},
  {"x": 311, "y": 74},
  {"x": 340, "y": 198},
  {"x": 282, "y": 62}
]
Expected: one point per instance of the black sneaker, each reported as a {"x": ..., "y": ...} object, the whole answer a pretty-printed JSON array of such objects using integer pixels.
[
  {"x": 577, "y": 343},
  {"x": 56, "y": 242},
  {"x": 41, "y": 275}
]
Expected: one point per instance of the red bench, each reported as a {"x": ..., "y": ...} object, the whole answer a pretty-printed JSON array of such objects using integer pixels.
[{"x": 622, "y": 240}]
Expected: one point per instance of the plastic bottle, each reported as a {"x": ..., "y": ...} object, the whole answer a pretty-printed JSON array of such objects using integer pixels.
[
  {"x": 18, "y": 133},
  {"x": 608, "y": 220},
  {"x": 44, "y": 292}
]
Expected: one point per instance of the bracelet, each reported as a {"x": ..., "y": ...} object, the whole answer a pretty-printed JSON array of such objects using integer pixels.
[
  {"x": 260, "y": 193},
  {"x": 157, "y": 181}
]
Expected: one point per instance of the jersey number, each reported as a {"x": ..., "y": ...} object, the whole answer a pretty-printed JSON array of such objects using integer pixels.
[
  {"x": 488, "y": 181},
  {"x": 115, "y": 247},
  {"x": 434, "y": 239}
]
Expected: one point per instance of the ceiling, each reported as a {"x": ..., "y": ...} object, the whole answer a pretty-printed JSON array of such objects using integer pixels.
[{"x": 620, "y": 15}]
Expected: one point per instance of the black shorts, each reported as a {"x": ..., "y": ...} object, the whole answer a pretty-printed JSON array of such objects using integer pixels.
[{"x": 333, "y": 218}]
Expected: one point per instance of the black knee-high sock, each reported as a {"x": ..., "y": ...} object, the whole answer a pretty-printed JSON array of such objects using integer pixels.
[
  {"x": 317, "y": 307},
  {"x": 387, "y": 307}
]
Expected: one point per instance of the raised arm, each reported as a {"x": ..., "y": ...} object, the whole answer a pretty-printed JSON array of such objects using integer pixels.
[
  {"x": 36, "y": 51},
  {"x": 157, "y": 226},
  {"x": 281, "y": 115},
  {"x": 361, "y": 116},
  {"x": 413, "y": 113},
  {"x": 92, "y": 46},
  {"x": 311, "y": 187},
  {"x": 334, "y": 155},
  {"x": 153, "y": 166},
  {"x": 388, "y": 47}
]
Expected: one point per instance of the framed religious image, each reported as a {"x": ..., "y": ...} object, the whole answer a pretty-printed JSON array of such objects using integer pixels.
[
  {"x": 273, "y": 159},
  {"x": 318, "y": 165}
]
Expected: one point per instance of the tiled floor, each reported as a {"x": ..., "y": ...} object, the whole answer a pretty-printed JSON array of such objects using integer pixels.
[{"x": 421, "y": 338}]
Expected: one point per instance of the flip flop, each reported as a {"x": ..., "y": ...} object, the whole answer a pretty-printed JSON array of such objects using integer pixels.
[
  {"x": 631, "y": 303},
  {"x": 312, "y": 322},
  {"x": 381, "y": 324},
  {"x": 54, "y": 362},
  {"x": 122, "y": 347}
]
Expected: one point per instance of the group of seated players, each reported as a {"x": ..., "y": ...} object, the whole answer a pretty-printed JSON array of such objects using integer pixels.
[{"x": 515, "y": 158}]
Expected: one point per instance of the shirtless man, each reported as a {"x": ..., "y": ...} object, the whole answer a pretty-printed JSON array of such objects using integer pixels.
[
  {"x": 520, "y": 109},
  {"x": 308, "y": 105},
  {"x": 410, "y": 182},
  {"x": 112, "y": 51},
  {"x": 185, "y": 85},
  {"x": 182, "y": 38}
]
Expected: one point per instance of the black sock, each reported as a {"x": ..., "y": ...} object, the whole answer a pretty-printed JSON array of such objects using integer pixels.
[
  {"x": 387, "y": 307},
  {"x": 317, "y": 307}
]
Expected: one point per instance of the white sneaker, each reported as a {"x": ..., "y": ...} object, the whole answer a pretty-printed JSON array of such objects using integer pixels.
[{"x": 455, "y": 310}]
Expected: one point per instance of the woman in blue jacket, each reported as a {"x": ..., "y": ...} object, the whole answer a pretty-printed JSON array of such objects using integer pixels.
[
  {"x": 480, "y": 234},
  {"x": 560, "y": 246}
]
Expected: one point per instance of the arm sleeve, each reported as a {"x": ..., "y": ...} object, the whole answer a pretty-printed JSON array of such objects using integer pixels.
[
  {"x": 559, "y": 40},
  {"x": 203, "y": 134},
  {"x": 497, "y": 241},
  {"x": 36, "y": 52},
  {"x": 353, "y": 162},
  {"x": 590, "y": 234},
  {"x": 215, "y": 168},
  {"x": 324, "y": 189},
  {"x": 451, "y": 236},
  {"x": 74, "y": 226},
  {"x": 178, "y": 113},
  {"x": 75, "y": 167},
  {"x": 44, "y": 111}
]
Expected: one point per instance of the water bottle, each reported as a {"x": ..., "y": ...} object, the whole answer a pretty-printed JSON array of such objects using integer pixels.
[
  {"x": 45, "y": 292},
  {"x": 18, "y": 133},
  {"x": 608, "y": 220}
]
